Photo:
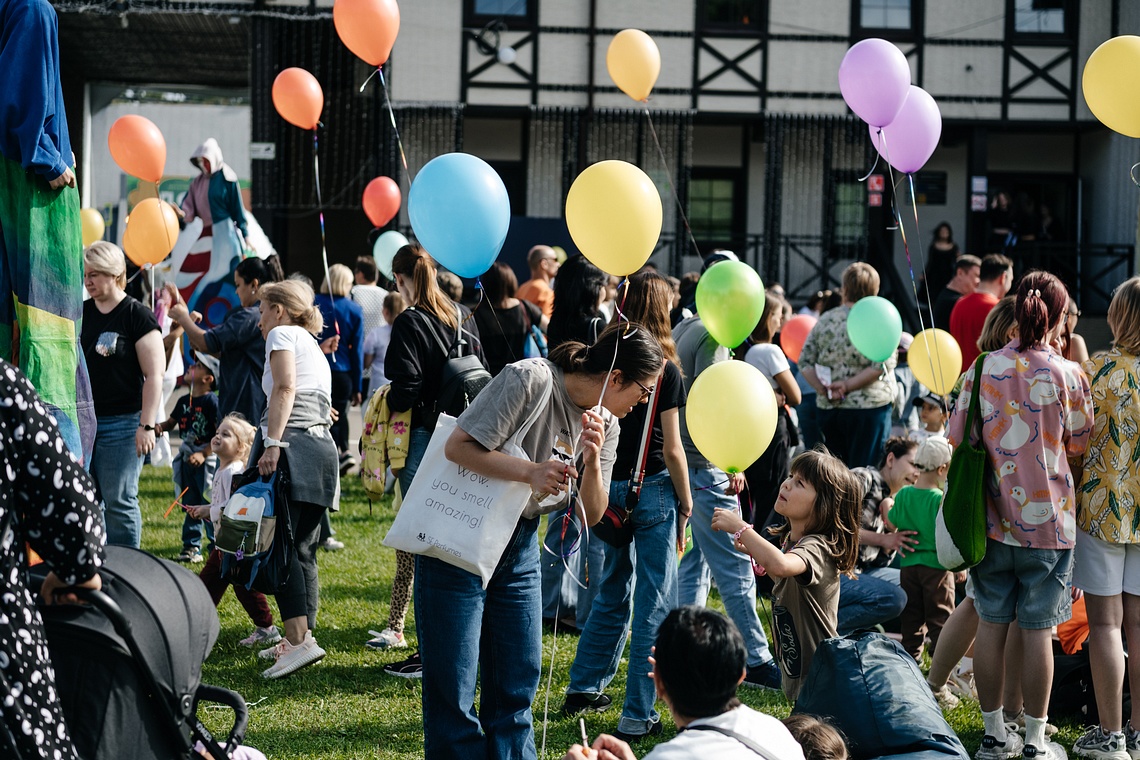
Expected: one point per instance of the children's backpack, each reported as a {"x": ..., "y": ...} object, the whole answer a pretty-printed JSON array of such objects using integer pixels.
[
  {"x": 255, "y": 537},
  {"x": 463, "y": 376}
]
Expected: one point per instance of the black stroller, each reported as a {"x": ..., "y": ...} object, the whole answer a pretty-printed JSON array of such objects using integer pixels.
[{"x": 128, "y": 667}]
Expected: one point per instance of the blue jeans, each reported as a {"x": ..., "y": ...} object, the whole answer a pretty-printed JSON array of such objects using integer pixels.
[
  {"x": 713, "y": 557},
  {"x": 417, "y": 446},
  {"x": 807, "y": 416},
  {"x": 872, "y": 598},
  {"x": 561, "y": 593},
  {"x": 641, "y": 577},
  {"x": 486, "y": 639},
  {"x": 116, "y": 467},
  {"x": 198, "y": 481},
  {"x": 857, "y": 436}
]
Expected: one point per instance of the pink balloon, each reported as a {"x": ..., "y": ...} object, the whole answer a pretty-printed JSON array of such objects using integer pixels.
[
  {"x": 874, "y": 78},
  {"x": 909, "y": 141}
]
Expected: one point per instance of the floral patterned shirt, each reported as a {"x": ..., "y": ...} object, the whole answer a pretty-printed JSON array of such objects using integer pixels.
[
  {"x": 1036, "y": 415},
  {"x": 827, "y": 344},
  {"x": 1107, "y": 500}
]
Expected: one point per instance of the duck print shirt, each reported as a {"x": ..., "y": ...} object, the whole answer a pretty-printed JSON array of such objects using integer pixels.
[
  {"x": 1036, "y": 415},
  {"x": 1107, "y": 500}
]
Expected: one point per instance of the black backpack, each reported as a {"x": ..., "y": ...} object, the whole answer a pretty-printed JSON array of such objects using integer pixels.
[{"x": 462, "y": 377}]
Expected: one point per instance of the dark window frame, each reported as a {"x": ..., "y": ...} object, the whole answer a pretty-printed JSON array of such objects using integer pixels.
[
  {"x": 527, "y": 20},
  {"x": 835, "y": 247},
  {"x": 738, "y": 232},
  {"x": 858, "y": 31},
  {"x": 1070, "y": 10},
  {"x": 720, "y": 28}
]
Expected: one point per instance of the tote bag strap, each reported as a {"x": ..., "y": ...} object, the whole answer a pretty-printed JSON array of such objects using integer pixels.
[
  {"x": 975, "y": 398},
  {"x": 646, "y": 438},
  {"x": 537, "y": 410}
]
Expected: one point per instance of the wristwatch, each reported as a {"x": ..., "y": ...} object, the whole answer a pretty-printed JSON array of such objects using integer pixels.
[
  {"x": 151, "y": 428},
  {"x": 270, "y": 442}
]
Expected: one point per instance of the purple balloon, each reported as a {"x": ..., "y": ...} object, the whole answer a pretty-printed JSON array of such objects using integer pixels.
[
  {"x": 874, "y": 78},
  {"x": 909, "y": 141}
]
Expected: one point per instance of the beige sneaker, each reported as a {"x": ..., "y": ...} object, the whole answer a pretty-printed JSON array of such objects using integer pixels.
[{"x": 291, "y": 658}]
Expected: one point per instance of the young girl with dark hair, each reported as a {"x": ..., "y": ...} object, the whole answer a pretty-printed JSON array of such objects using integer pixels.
[
  {"x": 490, "y": 638},
  {"x": 1036, "y": 417}
]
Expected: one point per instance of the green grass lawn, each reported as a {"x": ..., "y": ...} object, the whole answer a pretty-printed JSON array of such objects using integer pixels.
[{"x": 346, "y": 707}]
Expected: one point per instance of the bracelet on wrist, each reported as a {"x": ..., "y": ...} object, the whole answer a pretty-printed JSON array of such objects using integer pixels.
[
  {"x": 271, "y": 442},
  {"x": 736, "y": 536}
]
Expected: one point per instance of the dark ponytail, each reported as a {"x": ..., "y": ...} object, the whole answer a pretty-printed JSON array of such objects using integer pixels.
[
  {"x": 639, "y": 355},
  {"x": 1042, "y": 301},
  {"x": 264, "y": 271}
]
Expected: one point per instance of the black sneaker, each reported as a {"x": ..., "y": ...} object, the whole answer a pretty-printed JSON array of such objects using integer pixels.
[
  {"x": 413, "y": 667},
  {"x": 580, "y": 703},
  {"x": 654, "y": 730},
  {"x": 765, "y": 676}
]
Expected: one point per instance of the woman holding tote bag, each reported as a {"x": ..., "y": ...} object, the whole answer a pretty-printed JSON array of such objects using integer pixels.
[{"x": 492, "y": 636}]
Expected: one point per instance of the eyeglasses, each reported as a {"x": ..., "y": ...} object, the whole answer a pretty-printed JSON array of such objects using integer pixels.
[
  {"x": 645, "y": 391},
  {"x": 1074, "y": 312}
]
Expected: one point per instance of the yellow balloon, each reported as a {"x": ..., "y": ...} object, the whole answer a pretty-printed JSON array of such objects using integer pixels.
[
  {"x": 1111, "y": 82},
  {"x": 153, "y": 230},
  {"x": 634, "y": 62},
  {"x": 936, "y": 360},
  {"x": 91, "y": 222},
  {"x": 731, "y": 414},
  {"x": 613, "y": 211}
]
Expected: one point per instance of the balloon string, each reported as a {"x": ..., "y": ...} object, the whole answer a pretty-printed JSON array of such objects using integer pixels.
[
  {"x": 392, "y": 118},
  {"x": 672, "y": 187},
  {"x": 875, "y": 165},
  {"x": 934, "y": 356},
  {"x": 1132, "y": 174},
  {"x": 321, "y": 217},
  {"x": 369, "y": 79}
]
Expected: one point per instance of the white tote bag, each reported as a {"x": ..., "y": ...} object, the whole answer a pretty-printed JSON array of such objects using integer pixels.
[{"x": 458, "y": 516}]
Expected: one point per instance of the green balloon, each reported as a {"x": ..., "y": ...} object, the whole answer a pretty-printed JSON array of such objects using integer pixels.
[
  {"x": 874, "y": 327},
  {"x": 730, "y": 301}
]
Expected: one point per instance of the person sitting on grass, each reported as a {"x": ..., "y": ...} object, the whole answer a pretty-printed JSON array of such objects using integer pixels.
[{"x": 700, "y": 660}]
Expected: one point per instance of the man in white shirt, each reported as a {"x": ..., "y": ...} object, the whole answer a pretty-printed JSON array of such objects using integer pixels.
[{"x": 700, "y": 661}]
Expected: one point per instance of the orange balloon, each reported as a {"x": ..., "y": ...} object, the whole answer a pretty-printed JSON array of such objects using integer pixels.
[
  {"x": 138, "y": 147},
  {"x": 298, "y": 97},
  {"x": 794, "y": 333},
  {"x": 381, "y": 200},
  {"x": 152, "y": 230},
  {"x": 367, "y": 27}
]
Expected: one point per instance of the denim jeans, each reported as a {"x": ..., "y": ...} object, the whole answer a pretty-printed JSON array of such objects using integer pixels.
[
  {"x": 641, "y": 577},
  {"x": 486, "y": 639},
  {"x": 714, "y": 557},
  {"x": 561, "y": 592},
  {"x": 872, "y": 598},
  {"x": 198, "y": 480},
  {"x": 417, "y": 446},
  {"x": 115, "y": 467},
  {"x": 857, "y": 436}
]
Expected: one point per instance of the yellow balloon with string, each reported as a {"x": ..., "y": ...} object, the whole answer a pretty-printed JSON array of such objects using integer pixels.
[
  {"x": 731, "y": 414},
  {"x": 634, "y": 63},
  {"x": 935, "y": 359},
  {"x": 1111, "y": 82}
]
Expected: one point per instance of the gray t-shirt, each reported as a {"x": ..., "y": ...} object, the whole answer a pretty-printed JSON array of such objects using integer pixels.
[
  {"x": 504, "y": 405},
  {"x": 697, "y": 351}
]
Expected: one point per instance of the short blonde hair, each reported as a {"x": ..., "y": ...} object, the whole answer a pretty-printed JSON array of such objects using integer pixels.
[
  {"x": 1000, "y": 322},
  {"x": 338, "y": 281},
  {"x": 859, "y": 281},
  {"x": 244, "y": 431},
  {"x": 296, "y": 299},
  {"x": 1124, "y": 316},
  {"x": 108, "y": 258}
]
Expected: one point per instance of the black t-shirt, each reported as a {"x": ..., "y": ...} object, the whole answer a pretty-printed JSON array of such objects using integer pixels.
[
  {"x": 197, "y": 418},
  {"x": 943, "y": 305},
  {"x": 671, "y": 395},
  {"x": 108, "y": 342},
  {"x": 504, "y": 332}
]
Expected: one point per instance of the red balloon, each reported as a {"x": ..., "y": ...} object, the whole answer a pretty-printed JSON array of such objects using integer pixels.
[
  {"x": 381, "y": 200},
  {"x": 138, "y": 147},
  {"x": 794, "y": 333},
  {"x": 298, "y": 97},
  {"x": 367, "y": 27}
]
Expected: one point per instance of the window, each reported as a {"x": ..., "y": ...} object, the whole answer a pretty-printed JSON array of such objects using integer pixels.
[
  {"x": 500, "y": 7},
  {"x": 506, "y": 14},
  {"x": 725, "y": 15},
  {"x": 712, "y": 208},
  {"x": 850, "y": 213},
  {"x": 1039, "y": 17},
  {"x": 885, "y": 14}
]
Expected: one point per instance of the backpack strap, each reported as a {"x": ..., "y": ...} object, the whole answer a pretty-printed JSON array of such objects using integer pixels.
[{"x": 749, "y": 743}]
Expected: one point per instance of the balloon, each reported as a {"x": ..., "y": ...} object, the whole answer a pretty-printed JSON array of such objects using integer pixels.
[
  {"x": 634, "y": 62},
  {"x": 298, "y": 97},
  {"x": 874, "y": 327},
  {"x": 1110, "y": 83},
  {"x": 874, "y": 78},
  {"x": 460, "y": 212},
  {"x": 367, "y": 27},
  {"x": 730, "y": 300},
  {"x": 153, "y": 231},
  {"x": 909, "y": 141},
  {"x": 381, "y": 200},
  {"x": 91, "y": 222},
  {"x": 794, "y": 334},
  {"x": 384, "y": 249},
  {"x": 613, "y": 212},
  {"x": 731, "y": 414},
  {"x": 936, "y": 360},
  {"x": 138, "y": 147}
]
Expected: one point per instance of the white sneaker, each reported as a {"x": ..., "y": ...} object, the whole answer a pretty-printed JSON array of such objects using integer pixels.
[
  {"x": 992, "y": 750},
  {"x": 1051, "y": 751},
  {"x": 1099, "y": 744},
  {"x": 1132, "y": 741},
  {"x": 1016, "y": 724},
  {"x": 947, "y": 700},
  {"x": 261, "y": 637},
  {"x": 292, "y": 658},
  {"x": 386, "y": 639},
  {"x": 271, "y": 652},
  {"x": 962, "y": 684}
]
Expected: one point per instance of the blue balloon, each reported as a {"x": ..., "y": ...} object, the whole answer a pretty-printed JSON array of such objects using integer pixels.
[
  {"x": 460, "y": 212},
  {"x": 384, "y": 250}
]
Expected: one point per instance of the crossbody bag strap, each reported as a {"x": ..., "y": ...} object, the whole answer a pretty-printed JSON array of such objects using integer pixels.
[
  {"x": 975, "y": 398},
  {"x": 536, "y": 411},
  {"x": 749, "y": 743},
  {"x": 646, "y": 438}
]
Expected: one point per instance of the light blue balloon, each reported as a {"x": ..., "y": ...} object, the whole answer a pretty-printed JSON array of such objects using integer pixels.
[
  {"x": 460, "y": 212},
  {"x": 384, "y": 249}
]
